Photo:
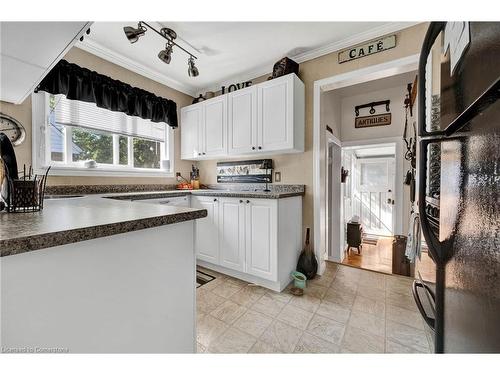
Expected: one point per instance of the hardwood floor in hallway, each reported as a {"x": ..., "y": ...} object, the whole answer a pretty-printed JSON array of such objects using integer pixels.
[
  {"x": 373, "y": 257},
  {"x": 378, "y": 257}
]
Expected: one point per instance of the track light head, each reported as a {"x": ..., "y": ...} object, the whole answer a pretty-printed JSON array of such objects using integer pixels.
[
  {"x": 133, "y": 34},
  {"x": 166, "y": 54},
  {"x": 192, "y": 69}
]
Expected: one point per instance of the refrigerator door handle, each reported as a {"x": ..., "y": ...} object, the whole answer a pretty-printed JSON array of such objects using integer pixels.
[
  {"x": 432, "y": 33},
  {"x": 439, "y": 250},
  {"x": 433, "y": 243},
  {"x": 431, "y": 322}
]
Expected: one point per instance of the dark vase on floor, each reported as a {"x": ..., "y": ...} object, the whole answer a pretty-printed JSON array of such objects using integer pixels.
[{"x": 308, "y": 264}]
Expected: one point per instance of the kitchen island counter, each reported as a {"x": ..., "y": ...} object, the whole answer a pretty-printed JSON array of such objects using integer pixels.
[{"x": 69, "y": 220}]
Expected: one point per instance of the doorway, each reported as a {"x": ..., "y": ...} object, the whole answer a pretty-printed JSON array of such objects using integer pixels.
[
  {"x": 369, "y": 197},
  {"x": 328, "y": 108},
  {"x": 370, "y": 193}
]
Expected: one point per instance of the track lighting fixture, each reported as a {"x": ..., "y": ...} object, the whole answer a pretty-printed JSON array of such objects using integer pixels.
[{"x": 133, "y": 34}]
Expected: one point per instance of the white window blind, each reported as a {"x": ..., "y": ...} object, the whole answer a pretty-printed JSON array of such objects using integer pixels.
[{"x": 88, "y": 115}]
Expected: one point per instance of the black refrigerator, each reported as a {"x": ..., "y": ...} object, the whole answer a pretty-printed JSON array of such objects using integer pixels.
[{"x": 458, "y": 185}]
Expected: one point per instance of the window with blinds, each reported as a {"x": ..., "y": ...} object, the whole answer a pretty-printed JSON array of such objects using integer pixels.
[
  {"x": 82, "y": 135},
  {"x": 88, "y": 115}
]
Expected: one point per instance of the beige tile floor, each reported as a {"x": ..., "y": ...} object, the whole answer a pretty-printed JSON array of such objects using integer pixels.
[{"x": 347, "y": 310}]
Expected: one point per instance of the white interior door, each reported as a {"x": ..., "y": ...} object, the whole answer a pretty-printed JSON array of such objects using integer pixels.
[{"x": 374, "y": 198}]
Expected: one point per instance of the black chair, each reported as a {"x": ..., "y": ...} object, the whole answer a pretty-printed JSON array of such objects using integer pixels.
[{"x": 354, "y": 236}]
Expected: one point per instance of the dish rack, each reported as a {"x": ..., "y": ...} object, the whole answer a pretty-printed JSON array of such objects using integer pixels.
[{"x": 25, "y": 194}]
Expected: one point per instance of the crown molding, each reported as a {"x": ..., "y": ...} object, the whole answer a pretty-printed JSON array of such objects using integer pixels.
[
  {"x": 136, "y": 67},
  {"x": 127, "y": 63},
  {"x": 353, "y": 40}
]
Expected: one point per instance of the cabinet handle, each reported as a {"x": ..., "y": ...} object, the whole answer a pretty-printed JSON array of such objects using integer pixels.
[
  {"x": 204, "y": 154},
  {"x": 248, "y": 201},
  {"x": 253, "y": 147},
  {"x": 215, "y": 199},
  {"x": 199, "y": 153},
  {"x": 241, "y": 200},
  {"x": 260, "y": 148}
]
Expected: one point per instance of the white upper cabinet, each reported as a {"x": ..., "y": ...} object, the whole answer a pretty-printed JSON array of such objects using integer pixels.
[
  {"x": 29, "y": 51},
  {"x": 191, "y": 120},
  {"x": 214, "y": 127},
  {"x": 242, "y": 114},
  {"x": 267, "y": 118},
  {"x": 204, "y": 129},
  {"x": 275, "y": 117}
]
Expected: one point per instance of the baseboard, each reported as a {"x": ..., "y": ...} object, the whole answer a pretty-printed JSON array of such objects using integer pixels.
[{"x": 276, "y": 286}]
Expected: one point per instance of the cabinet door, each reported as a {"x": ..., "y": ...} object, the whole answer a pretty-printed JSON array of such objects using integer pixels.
[
  {"x": 215, "y": 127},
  {"x": 261, "y": 238},
  {"x": 206, "y": 237},
  {"x": 242, "y": 122},
  {"x": 275, "y": 117},
  {"x": 191, "y": 118},
  {"x": 232, "y": 233}
]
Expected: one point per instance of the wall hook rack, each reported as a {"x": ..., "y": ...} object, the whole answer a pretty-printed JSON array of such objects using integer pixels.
[{"x": 372, "y": 106}]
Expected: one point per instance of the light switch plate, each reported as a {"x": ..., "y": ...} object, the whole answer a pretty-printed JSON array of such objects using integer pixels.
[{"x": 277, "y": 176}]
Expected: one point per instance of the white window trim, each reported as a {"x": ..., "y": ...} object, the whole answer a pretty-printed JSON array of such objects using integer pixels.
[{"x": 41, "y": 151}]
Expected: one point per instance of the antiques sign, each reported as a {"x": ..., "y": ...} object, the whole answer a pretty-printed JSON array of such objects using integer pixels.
[
  {"x": 373, "y": 120},
  {"x": 366, "y": 49}
]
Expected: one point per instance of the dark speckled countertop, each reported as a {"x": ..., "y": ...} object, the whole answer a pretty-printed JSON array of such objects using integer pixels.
[
  {"x": 70, "y": 220},
  {"x": 205, "y": 192}
]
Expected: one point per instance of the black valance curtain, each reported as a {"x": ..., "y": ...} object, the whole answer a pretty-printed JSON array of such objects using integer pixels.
[{"x": 78, "y": 83}]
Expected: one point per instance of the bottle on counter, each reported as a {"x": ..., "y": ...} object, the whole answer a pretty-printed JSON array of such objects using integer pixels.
[{"x": 195, "y": 177}]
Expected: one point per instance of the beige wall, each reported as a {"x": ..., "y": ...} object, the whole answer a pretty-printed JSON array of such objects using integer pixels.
[
  {"x": 22, "y": 112},
  {"x": 298, "y": 168},
  {"x": 395, "y": 94},
  {"x": 349, "y": 133}
]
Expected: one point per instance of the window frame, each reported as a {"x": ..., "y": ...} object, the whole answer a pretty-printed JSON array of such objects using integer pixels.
[{"x": 41, "y": 150}]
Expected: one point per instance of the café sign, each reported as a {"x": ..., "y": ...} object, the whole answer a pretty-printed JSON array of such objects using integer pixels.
[{"x": 370, "y": 48}]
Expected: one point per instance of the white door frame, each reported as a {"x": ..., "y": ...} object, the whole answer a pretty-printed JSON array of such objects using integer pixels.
[
  {"x": 387, "y": 69},
  {"x": 337, "y": 243}
]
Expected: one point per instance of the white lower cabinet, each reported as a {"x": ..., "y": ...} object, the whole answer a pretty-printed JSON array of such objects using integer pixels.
[
  {"x": 262, "y": 238},
  {"x": 232, "y": 233},
  {"x": 206, "y": 239},
  {"x": 257, "y": 240}
]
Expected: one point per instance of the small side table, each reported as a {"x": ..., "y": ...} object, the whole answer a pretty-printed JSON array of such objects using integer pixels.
[{"x": 354, "y": 236}]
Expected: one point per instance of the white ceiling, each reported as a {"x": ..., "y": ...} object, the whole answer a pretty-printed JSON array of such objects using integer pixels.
[{"x": 227, "y": 51}]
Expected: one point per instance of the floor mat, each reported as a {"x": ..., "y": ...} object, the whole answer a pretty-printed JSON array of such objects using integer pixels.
[{"x": 202, "y": 278}]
